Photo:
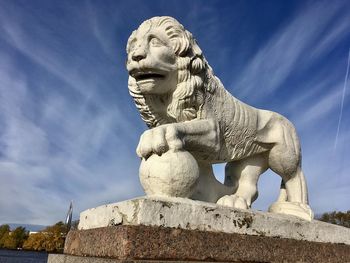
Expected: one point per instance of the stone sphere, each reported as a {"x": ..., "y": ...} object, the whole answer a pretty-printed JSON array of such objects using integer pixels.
[{"x": 173, "y": 174}]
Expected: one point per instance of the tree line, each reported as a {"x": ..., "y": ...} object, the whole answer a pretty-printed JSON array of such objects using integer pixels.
[
  {"x": 50, "y": 239},
  {"x": 337, "y": 218}
]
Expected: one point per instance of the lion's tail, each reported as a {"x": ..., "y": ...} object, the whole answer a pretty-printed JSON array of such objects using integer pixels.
[
  {"x": 283, "y": 197},
  {"x": 283, "y": 193}
]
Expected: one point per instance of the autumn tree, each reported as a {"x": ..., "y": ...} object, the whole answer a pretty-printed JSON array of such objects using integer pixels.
[
  {"x": 55, "y": 237},
  {"x": 337, "y": 218},
  {"x": 35, "y": 241},
  {"x": 16, "y": 238},
  {"x": 50, "y": 239},
  {"x": 4, "y": 232}
]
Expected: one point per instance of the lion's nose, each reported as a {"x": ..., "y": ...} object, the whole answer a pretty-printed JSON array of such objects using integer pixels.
[{"x": 138, "y": 54}]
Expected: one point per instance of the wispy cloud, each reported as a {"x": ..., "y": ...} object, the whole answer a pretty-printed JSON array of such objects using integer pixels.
[
  {"x": 296, "y": 45},
  {"x": 320, "y": 109},
  {"x": 43, "y": 167},
  {"x": 331, "y": 36},
  {"x": 60, "y": 139}
]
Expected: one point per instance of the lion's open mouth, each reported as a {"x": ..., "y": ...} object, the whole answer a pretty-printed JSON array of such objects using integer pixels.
[{"x": 139, "y": 76}]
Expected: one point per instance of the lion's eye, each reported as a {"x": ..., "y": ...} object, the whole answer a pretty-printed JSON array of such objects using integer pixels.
[
  {"x": 156, "y": 42},
  {"x": 131, "y": 46}
]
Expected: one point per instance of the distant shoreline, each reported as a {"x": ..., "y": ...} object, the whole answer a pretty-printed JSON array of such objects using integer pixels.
[{"x": 25, "y": 250}]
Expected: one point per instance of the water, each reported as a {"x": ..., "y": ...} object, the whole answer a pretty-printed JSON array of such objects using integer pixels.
[{"x": 20, "y": 256}]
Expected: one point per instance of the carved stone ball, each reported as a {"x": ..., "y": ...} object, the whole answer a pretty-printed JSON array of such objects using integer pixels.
[{"x": 173, "y": 174}]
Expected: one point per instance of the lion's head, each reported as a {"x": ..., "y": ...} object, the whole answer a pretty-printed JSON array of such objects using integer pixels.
[{"x": 166, "y": 67}]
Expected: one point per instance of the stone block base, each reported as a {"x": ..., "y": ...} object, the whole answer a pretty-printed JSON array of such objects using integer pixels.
[
  {"x": 127, "y": 243},
  {"x": 182, "y": 230}
]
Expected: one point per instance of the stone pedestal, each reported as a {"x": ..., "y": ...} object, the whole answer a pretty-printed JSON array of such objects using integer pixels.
[{"x": 177, "y": 229}]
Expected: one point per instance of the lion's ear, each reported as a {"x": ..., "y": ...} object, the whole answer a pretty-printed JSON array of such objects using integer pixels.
[
  {"x": 196, "y": 51},
  {"x": 195, "y": 54}
]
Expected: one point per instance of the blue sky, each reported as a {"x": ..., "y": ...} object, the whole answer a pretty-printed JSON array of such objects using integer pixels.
[{"x": 69, "y": 129}]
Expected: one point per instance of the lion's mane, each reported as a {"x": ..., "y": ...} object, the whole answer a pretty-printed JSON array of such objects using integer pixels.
[{"x": 195, "y": 77}]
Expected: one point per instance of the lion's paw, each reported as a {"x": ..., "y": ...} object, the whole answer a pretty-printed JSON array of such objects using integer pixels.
[
  {"x": 292, "y": 208},
  {"x": 158, "y": 141},
  {"x": 233, "y": 201}
]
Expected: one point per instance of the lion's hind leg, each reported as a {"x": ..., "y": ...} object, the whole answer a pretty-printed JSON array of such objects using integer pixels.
[
  {"x": 293, "y": 197},
  {"x": 285, "y": 160},
  {"x": 244, "y": 173}
]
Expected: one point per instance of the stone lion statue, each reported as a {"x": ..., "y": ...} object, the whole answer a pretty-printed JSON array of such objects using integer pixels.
[{"x": 188, "y": 109}]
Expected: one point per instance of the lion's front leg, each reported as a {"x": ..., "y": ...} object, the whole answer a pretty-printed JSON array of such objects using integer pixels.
[
  {"x": 200, "y": 137},
  {"x": 244, "y": 174}
]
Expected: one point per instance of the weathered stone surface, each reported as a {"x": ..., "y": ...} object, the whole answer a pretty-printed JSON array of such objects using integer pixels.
[
  {"x": 58, "y": 258},
  {"x": 196, "y": 215},
  {"x": 160, "y": 243}
]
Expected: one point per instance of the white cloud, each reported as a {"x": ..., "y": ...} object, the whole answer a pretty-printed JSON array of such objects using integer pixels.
[
  {"x": 320, "y": 109},
  {"x": 334, "y": 34},
  {"x": 58, "y": 154},
  {"x": 290, "y": 48}
]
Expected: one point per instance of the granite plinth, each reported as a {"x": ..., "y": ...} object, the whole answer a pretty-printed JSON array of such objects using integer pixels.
[
  {"x": 173, "y": 244},
  {"x": 196, "y": 215}
]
